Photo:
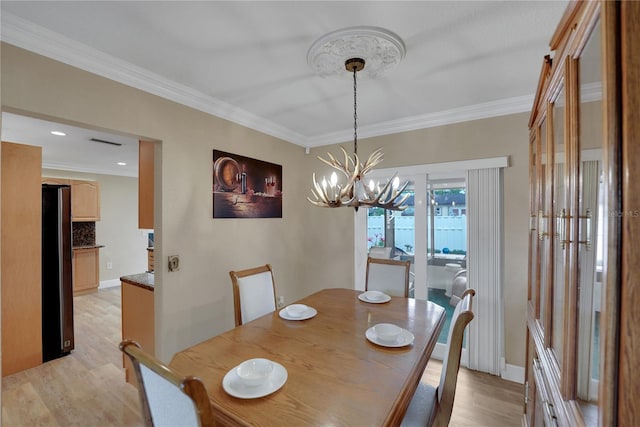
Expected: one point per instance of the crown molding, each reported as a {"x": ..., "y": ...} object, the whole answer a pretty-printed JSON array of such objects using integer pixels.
[
  {"x": 63, "y": 166},
  {"x": 32, "y": 37},
  {"x": 485, "y": 110},
  {"x": 35, "y": 38}
]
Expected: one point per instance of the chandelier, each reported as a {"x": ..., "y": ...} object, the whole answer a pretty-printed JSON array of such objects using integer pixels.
[{"x": 387, "y": 49}]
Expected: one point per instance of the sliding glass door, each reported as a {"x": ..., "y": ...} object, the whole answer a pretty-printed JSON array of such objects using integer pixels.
[{"x": 446, "y": 238}]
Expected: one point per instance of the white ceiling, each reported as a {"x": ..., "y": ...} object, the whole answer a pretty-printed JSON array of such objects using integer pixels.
[{"x": 246, "y": 61}]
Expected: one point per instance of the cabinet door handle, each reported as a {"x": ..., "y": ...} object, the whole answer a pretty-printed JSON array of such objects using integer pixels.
[
  {"x": 549, "y": 413},
  {"x": 587, "y": 223},
  {"x": 561, "y": 225},
  {"x": 541, "y": 232}
]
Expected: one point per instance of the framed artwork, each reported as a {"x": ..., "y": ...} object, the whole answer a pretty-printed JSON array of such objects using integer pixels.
[{"x": 245, "y": 188}]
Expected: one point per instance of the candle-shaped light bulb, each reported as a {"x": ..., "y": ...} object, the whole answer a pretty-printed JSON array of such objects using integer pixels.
[
  {"x": 372, "y": 185},
  {"x": 324, "y": 183},
  {"x": 396, "y": 183},
  {"x": 334, "y": 179}
]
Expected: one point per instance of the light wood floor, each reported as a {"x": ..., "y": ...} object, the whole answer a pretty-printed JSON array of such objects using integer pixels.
[{"x": 87, "y": 388}]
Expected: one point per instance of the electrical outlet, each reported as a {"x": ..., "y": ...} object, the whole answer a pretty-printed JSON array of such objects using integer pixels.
[
  {"x": 109, "y": 265},
  {"x": 280, "y": 301},
  {"x": 174, "y": 262}
]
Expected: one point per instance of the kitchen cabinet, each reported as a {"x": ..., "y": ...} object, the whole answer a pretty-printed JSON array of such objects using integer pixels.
[
  {"x": 145, "y": 184},
  {"x": 85, "y": 198},
  {"x": 583, "y": 335},
  {"x": 86, "y": 270},
  {"x": 56, "y": 181},
  {"x": 21, "y": 223},
  {"x": 138, "y": 322}
]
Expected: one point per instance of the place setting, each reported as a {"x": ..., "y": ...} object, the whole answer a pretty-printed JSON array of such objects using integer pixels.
[
  {"x": 254, "y": 378},
  {"x": 389, "y": 335},
  {"x": 374, "y": 297},
  {"x": 297, "y": 312}
]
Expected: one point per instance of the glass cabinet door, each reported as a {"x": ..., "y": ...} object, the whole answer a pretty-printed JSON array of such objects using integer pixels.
[
  {"x": 533, "y": 221},
  {"x": 558, "y": 225},
  {"x": 590, "y": 227},
  {"x": 543, "y": 228}
]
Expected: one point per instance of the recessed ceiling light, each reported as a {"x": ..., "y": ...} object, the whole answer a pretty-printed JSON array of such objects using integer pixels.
[
  {"x": 58, "y": 133},
  {"x": 122, "y": 164}
]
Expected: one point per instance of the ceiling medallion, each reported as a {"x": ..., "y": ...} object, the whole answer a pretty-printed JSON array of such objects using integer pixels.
[{"x": 381, "y": 49}]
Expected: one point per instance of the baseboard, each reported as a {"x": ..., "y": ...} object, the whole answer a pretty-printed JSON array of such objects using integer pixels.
[
  {"x": 109, "y": 283},
  {"x": 512, "y": 373}
]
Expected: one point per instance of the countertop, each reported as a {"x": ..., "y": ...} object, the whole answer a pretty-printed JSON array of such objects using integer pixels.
[
  {"x": 88, "y": 247},
  {"x": 143, "y": 280}
]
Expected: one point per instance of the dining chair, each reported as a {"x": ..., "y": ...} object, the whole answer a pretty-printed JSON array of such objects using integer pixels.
[
  {"x": 383, "y": 252},
  {"x": 389, "y": 276},
  {"x": 254, "y": 293},
  {"x": 432, "y": 406},
  {"x": 167, "y": 398}
]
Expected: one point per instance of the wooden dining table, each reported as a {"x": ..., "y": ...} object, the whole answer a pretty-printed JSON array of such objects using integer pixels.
[{"x": 335, "y": 375}]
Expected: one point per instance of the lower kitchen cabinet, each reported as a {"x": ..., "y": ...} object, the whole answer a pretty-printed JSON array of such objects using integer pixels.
[
  {"x": 86, "y": 269},
  {"x": 138, "y": 322}
]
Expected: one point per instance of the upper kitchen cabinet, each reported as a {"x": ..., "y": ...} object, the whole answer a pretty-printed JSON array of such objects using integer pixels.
[
  {"x": 56, "y": 181},
  {"x": 85, "y": 200},
  {"x": 145, "y": 184}
]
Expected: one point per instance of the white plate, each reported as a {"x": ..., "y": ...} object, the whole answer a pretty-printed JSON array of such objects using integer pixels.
[
  {"x": 232, "y": 384},
  {"x": 363, "y": 297},
  {"x": 405, "y": 338},
  {"x": 311, "y": 312}
]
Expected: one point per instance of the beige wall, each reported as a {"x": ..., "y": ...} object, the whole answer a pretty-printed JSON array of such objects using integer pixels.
[
  {"x": 125, "y": 246},
  {"x": 310, "y": 248}
]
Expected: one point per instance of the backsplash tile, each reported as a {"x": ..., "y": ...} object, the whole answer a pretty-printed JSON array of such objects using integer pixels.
[{"x": 84, "y": 234}]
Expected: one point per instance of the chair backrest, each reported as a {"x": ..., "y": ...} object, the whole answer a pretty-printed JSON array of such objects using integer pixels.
[
  {"x": 388, "y": 276},
  {"x": 383, "y": 252},
  {"x": 254, "y": 293},
  {"x": 167, "y": 398},
  {"x": 462, "y": 315}
]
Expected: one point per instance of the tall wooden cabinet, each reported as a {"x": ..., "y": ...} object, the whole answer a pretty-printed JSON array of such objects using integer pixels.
[
  {"x": 21, "y": 214},
  {"x": 583, "y": 341}
]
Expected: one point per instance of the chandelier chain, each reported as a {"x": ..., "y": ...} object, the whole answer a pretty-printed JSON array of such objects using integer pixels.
[{"x": 355, "y": 112}]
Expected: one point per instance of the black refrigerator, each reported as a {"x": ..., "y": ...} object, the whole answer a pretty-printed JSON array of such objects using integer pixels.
[{"x": 57, "y": 286}]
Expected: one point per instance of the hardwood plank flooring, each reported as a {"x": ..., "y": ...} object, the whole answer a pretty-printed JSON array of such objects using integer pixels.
[
  {"x": 87, "y": 388},
  {"x": 481, "y": 399}
]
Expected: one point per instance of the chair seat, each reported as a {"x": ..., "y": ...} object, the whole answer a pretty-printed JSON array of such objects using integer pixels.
[{"x": 422, "y": 407}]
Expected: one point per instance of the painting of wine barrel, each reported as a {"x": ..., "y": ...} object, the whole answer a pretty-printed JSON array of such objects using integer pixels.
[
  {"x": 226, "y": 171},
  {"x": 244, "y": 187}
]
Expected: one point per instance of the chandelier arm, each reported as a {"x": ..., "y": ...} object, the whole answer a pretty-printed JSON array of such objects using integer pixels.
[
  {"x": 374, "y": 159},
  {"x": 319, "y": 194},
  {"x": 336, "y": 165},
  {"x": 333, "y": 162}
]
